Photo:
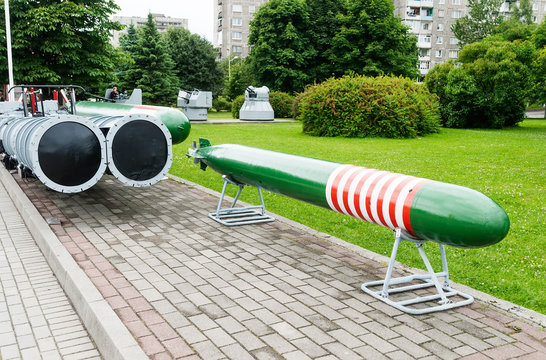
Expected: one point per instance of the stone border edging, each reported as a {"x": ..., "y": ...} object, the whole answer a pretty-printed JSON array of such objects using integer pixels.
[
  {"x": 112, "y": 338},
  {"x": 503, "y": 305}
]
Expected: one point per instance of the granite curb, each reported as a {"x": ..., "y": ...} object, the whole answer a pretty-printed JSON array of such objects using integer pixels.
[
  {"x": 111, "y": 337},
  {"x": 499, "y": 304}
]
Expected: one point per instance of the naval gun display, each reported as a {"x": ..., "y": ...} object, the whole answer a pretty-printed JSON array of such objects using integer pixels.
[
  {"x": 195, "y": 104},
  {"x": 417, "y": 209},
  {"x": 256, "y": 106}
]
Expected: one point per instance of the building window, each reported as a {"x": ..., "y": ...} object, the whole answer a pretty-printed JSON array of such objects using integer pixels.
[
  {"x": 453, "y": 54},
  {"x": 237, "y": 8},
  {"x": 237, "y": 49},
  {"x": 237, "y": 22},
  {"x": 252, "y": 9},
  {"x": 425, "y": 26},
  {"x": 439, "y": 40},
  {"x": 424, "y": 52},
  {"x": 453, "y": 41},
  {"x": 441, "y": 13},
  {"x": 441, "y": 2},
  {"x": 236, "y": 35},
  {"x": 456, "y": 2},
  {"x": 440, "y": 27},
  {"x": 439, "y": 53},
  {"x": 424, "y": 65},
  {"x": 425, "y": 38},
  {"x": 456, "y": 14},
  {"x": 535, "y": 20},
  {"x": 535, "y": 6}
]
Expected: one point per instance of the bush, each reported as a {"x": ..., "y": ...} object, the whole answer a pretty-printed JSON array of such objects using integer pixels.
[
  {"x": 236, "y": 105},
  {"x": 296, "y": 105},
  {"x": 281, "y": 103},
  {"x": 221, "y": 104},
  {"x": 359, "y": 106}
]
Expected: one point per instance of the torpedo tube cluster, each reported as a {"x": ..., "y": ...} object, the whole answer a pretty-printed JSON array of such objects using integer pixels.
[{"x": 70, "y": 153}]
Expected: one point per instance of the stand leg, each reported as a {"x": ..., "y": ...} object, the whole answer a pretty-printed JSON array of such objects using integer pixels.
[
  {"x": 385, "y": 292},
  {"x": 261, "y": 200},
  {"x": 433, "y": 276},
  {"x": 221, "y": 198},
  {"x": 237, "y": 196}
]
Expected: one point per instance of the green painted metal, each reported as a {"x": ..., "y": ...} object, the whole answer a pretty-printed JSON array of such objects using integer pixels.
[
  {"x": 298, "y": 177},
  {"x": 175, "y": 120},
  {"x": 457, "y": 216},
  {"x": 441, "y": 212}
]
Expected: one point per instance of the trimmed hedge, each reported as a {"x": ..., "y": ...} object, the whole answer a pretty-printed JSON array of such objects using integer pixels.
[
  {"x": 359, "y": 106},
  {"x": 221, "y": 104}
]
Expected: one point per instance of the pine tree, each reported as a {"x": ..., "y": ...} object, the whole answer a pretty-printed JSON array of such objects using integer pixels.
[{"x": 152, "y": 70}]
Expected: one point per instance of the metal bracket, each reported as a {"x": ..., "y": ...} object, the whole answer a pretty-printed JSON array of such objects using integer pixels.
[
  {"x": 424, "y": 304},
  {"x": 233, "y": 216}
]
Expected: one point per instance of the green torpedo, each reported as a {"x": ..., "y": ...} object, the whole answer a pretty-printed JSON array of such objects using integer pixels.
[
  {"x": 424, "y": 209},
  {"x": 176, "y": 122}
]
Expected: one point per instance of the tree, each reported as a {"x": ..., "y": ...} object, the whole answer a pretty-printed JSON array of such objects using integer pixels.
[
  {"x": 490, "y": 88},
  {"x": 539, "y": 37},
  {"x": 324, "y": 24},
  {"x": 194, "y": 59},
  {"x": 127, "y": 75},
  {"x": 241, "y": 77},
  {"x": 281, "y": 45},
  {"x": 64, "y": 42},
  {"x": 480, "y": 22},
  {"x": 372, "y": 41},
  {"x": 522, "y": 13},
  {"x": 152, "y": 70}
]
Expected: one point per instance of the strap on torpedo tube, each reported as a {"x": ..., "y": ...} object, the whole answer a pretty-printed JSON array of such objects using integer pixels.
[
  {"x": 233, "y": 216},
  {"x": 393, "y": 292}
]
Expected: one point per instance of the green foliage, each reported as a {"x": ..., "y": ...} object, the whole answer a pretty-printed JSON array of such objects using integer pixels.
[
  {"x": 481, "y": 21},
  {"x": 236, "y": 105},
  {"x": 507, "y": 165},
  {"x": 241, "y": 78},
  {"x": 522, "y": 13},
  {"x": 194, "y": 59},
  {"x": 281, "y": 103},
  {"x": 61, "y": 42},
  {"x": 360, "y": 106},
  {"x": 539, "y": 37},
  {"x": 152, "y": 69},
  {"x": 221, "y": 104},
  {"x": 296, "y": 105},
  {"x": 281, "y": 45},
  {"x": 539, "y": 91},
  {"x": 371, "y": 41},
  {"x": 489, "y": 89}
]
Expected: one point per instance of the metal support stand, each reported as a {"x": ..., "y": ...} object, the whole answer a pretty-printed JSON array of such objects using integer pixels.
[
  {"x": 239, "y": 216},
  {"x": 444, "y": 293}
]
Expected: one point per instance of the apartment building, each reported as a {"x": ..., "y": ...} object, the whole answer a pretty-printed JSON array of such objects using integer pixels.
[
  {"x": 162, "y": 22},
  {"x": 431, "y": 20},
  {"x": 232, "y": 24}
]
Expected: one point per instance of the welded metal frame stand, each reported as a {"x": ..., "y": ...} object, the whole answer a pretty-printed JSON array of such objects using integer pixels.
[
  {"x": 233, "y": 216},
  {"x": 444, "y": 292}
]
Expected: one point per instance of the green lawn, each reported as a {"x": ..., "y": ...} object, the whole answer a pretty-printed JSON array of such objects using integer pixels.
[{"x": 507, "y": 165}]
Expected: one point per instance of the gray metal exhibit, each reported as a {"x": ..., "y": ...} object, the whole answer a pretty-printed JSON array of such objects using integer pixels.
[
  {"x": 195, "y": 104},
  {"x": 139, "y": 148},
  {"x": 256, "y": 106},
  {"x": 67, "y": 153}
]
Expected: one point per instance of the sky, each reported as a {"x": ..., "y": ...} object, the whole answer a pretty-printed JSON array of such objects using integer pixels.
[{"x": 198, "y": 12}]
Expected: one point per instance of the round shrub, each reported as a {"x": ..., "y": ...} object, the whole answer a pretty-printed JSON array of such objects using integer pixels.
[
  {"x": 281, "y": 103},
  {"x": 359, "y": 106},
  {"x": 221, "y": 104},
  {"x": 236, "y": 106}
]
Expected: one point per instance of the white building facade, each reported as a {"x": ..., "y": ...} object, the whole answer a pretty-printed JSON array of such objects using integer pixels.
[
  {"x": 232, "y": 25},
  {"x": 162, "y": 22}
]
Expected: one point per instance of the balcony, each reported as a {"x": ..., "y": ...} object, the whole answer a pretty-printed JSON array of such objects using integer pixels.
[
  {"x": 426, "y": 17},
  {"x": 424, "y": 45}
]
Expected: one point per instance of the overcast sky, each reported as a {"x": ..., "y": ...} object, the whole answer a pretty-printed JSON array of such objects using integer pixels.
[{"x": 198, "y": 12}]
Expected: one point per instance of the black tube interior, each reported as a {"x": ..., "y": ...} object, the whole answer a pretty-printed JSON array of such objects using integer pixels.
[
  {"x": 69, "y": 153},
  {"x": 140, "y": 150}
]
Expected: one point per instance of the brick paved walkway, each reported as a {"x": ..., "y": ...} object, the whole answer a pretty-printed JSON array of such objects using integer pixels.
[
  {"x": 36, "y": 318},
  {"x": 188, "y": 287}
]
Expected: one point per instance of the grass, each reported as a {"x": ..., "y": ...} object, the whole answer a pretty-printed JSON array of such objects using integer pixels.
[
  {"x": 219, "y": 115},
  {"x": 507, "y": 165}
]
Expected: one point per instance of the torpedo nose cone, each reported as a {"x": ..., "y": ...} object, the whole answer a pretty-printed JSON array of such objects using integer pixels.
[{"x": 457, "y": 216}]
